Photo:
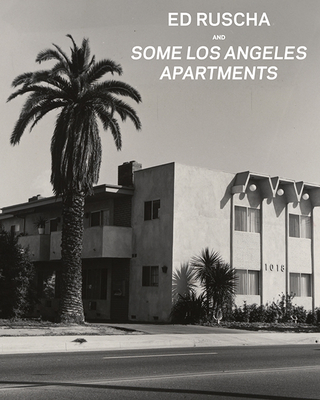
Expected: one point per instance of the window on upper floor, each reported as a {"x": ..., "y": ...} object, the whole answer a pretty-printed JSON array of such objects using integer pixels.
[
  {"x": 247, "y": 219},
  {"x": 53, "y": 225},
  {"x": 300, "y": 284},
  {"x": 248, "y": 282},
  {"x": 99, "y": 218},
  {"x": 150, "y": 276},
  {"x": 299, "y": 226},
  {"x": 151, "y": 209},
  {"x": 95, "y": 218}
]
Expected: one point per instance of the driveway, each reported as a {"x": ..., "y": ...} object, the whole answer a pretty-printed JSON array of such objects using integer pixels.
[{"x": 161, "y": 329}]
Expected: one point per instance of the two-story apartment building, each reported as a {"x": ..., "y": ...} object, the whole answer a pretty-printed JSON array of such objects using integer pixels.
[
  {"x": 137, "y": 233},
  {"x": 106, "y": 249}
]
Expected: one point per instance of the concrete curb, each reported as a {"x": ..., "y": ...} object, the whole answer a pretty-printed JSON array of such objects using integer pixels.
[{"x": 49, "y": 344}]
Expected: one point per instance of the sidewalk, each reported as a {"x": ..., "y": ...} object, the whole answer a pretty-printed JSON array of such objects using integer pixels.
[{"x": 171, "y": 336}]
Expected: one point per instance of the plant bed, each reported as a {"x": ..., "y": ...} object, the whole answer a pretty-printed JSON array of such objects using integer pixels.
[
  {"x": 34, "y": 327},
  {"x": 272, "y": 327}
]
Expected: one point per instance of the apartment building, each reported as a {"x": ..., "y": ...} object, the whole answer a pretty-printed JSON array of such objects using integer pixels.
[{"x": 137, "y": 233}]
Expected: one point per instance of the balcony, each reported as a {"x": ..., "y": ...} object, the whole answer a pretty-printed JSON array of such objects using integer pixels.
[
  {"x": 98, "y": 242},
  {"x": 39, "y": 246}
]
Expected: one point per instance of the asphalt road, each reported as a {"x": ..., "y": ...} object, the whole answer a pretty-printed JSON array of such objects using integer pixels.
[{"x": 272, "y": 372}]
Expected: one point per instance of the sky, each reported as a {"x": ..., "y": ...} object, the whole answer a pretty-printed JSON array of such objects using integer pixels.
[{"x": 268, "y": 126}]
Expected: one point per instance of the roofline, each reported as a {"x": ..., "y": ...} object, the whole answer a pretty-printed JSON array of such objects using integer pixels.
[
  {"x": 271, "y": 187},
  {"x": 104, "y": 188}
]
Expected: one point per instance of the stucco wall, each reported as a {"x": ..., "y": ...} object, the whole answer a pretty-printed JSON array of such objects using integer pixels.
[
  {"x": 300, "y": 255},
  {"x": 316, "y": 252},
  {"x": 98, "y": 241},
  {"x": 273, "y": 261},
  {"x": 202, "y": 211},
  {"x": 300, "y": 251},
  {"x": 152, "y": 244},
  {"x": 38, "y": 245},
  {"x": 272, "y": 251},
  {"x": 246, "y": 246}
]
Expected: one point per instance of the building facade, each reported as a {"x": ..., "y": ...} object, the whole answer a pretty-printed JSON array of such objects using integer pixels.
[{"x": 137, "y": 233}]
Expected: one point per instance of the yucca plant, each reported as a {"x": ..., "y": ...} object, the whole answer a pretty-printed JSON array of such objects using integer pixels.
[
  {"x": 217, "y": 279},
  {"x": 202, "y": 265},
  {"x": 188, "y": 309},
  {"x": 183, "y": 282},
  {"x": 222, "y": 285}
]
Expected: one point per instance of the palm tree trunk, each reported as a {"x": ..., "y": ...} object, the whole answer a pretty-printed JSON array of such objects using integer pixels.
[{"x": 71, "y": 306}]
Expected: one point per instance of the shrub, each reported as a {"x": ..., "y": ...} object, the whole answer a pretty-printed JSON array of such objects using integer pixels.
[
  {"x": 188, "y": 309},
  {"x": 299, "y": 314},
  {"x": 317, "y": 315},
  {"x": 16, "y": 275},
  {"x": 280, "y": 311},
  {"x": 258, "y": 313}
]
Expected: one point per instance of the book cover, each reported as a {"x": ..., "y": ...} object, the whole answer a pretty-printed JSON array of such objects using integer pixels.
[{"x": 226, "y": 85}]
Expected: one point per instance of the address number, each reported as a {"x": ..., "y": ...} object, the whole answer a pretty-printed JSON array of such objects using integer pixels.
[{"x": 274, "y": 267}]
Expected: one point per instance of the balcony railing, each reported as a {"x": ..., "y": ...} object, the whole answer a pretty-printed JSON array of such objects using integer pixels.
[
  {"x": 99, "y": 241},
  {"x": 38, "y": 245}
]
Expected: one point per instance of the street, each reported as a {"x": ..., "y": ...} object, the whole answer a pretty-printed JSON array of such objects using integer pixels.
[{"x": 270, "y": 372}]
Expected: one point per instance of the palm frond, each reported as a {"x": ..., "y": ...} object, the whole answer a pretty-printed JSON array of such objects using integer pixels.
[
  {"x": 49, "y": 54},
  {"x": 73, "y": 42},
  {"x": 63, "y": 56},
  {"x": 116, "y": 133},
  {"x": 44, "y": 108},
  {"x": 22, "y": 79},
  {"x": 72, "y": 85},
  {"x": 38, "y": 90},
  {"x": 76, "y": 151},
  {"x": 100, "y": 68},
  {"x": 183, "y": 281},
  {"x": 85, "y": 48},
  {"x": 33, "y": 110},
  {"x": 118, "y": 88},
  {"x": 124, "y": 110},
  {"x": 204, "y": 262},
  {"x": 111, "y": 123}
]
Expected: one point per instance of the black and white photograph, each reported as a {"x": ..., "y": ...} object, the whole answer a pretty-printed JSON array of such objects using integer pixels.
[{"x": 160, "y": 199}]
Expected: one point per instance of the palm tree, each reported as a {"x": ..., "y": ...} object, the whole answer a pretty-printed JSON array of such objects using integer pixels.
[
  {"x": 183, "y": 282},
  {"x": 203, "y": 265},
  {"x": 73, "y": 86},
  {"x": 222, "y": 285}
]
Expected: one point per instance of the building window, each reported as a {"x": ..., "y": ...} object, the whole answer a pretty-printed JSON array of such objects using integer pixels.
[
  {"x": 300, "y": 284},
  {"x": 151, "y": 209},
  {"x": 247, "y": 219},
  {"x": 99, "y": 218},
  {"x": 94, "y": 284},
  {"x": 53, "y": 225},
  {"x": 95, "y": 218},
  {"x": 150, "y": 276},
  {"x": 299, "y": 226},
  {"x": 248, "y": 282}
]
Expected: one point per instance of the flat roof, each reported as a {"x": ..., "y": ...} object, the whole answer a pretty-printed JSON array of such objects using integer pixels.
[{"x": 45, "y": 201}]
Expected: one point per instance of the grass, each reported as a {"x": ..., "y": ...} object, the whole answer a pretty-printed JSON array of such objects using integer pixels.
[
  {"x": 26, "y": 323},
  {"x": 32, "y": 327},
  {"x": 36, "y": 327}
]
